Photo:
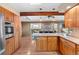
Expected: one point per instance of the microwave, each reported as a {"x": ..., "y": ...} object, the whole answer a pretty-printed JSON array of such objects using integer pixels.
[{"x": 9, "y": 29}]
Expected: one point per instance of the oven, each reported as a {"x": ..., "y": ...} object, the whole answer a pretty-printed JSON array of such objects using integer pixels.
[{"x": 9, "y": 29}]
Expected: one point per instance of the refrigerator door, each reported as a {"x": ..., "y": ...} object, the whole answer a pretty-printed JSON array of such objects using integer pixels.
[{"x": 2, "y": 38}]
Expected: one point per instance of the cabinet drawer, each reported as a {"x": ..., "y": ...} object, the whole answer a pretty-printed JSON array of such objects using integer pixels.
[{"x": 68, "y": 42}]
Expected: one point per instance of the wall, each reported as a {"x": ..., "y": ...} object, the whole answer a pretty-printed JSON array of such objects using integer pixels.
[{"x": 25, "y": 28}]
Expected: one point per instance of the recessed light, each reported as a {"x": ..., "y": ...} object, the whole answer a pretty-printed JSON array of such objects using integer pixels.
[
  {"x": 68, "y": 7},
  {"x": 53, "y": 9},
  {"x": 53, "y": 16},
  {"x": 40, "y": 8}
]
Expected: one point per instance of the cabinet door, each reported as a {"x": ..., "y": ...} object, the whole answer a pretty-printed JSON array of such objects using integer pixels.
[
  {"x": 61, "y": 46},
  {"x": 52, "y": 43},
  {"x": 11, "y": 15},
  {"x": 67, "y": 47},
  {"x": 38, "y": 44},
  {"x": 7, "y": 47},
  {"x": 6, "y": 15},
  {"x": 77, "y": 11},
  {"x": 17, "y": 31},
  {"x": 0, "y": 10},
  {"x": 69, "y": 50},
  {"x": 75, "y": 17},
  {"x": 44, "y": 43},
  {"x": 67, "y": 20},
  {"x": 41, "y": 44},
  {"x": 71, "y": 18}
]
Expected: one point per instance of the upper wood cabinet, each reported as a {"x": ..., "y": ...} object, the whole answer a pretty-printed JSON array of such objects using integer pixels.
[
  {"x": 77, "y": 16},
  {"x": 0, "y": 9},
  {"x": 17, "y": 32},
  {"x": 67, "y": 20},
  {"x": 8, "y": 16},
  {"x": 71, "y": 18}
]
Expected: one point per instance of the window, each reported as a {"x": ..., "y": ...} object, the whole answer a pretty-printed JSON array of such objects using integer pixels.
[{"x": 35, "y": 25}]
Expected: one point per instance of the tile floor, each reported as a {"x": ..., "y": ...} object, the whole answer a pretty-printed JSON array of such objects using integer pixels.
[{"x": 28, "y": 48}]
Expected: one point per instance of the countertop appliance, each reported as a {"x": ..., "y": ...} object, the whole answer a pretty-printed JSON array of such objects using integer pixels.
[
  {"x": 2, "y": 33},
  {"x": 9, "y": 29}
]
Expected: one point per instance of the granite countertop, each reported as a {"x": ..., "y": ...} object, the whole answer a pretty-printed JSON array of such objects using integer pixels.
[{"x": 73, "y": 39}]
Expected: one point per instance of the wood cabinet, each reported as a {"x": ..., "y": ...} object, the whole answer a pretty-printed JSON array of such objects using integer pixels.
[
  {"x": 71, "y": 18},
  {"x": 12, "y": 43},
  {"x": 77, "y": 11},
  {"x": 10, "y": 46},
  {"x": 8, "y": 16},
  {"x": 52, "y": 44},
  {"x": 0, "y": 10},
  {"x": 46, "y": 43},
  {"x": 41, "y": 44},
  {"x": 61, "y": 46},
  {"x": 77, "y": 49},
  {"x": 17, "y": 33},
  {"x": 66, "y": 20},
  {"x": 66, "y": 47}
]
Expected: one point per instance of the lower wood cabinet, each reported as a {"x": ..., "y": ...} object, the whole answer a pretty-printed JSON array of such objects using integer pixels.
[
  {"x": 9, "y": 46},
  {"x": 46, "y": 43},
  {"x": 41, "y": 44},
  {"x": 52, "y": 44},
  {"x": 66, "y": 47}
]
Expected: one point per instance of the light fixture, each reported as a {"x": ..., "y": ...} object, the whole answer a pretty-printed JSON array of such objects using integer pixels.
[
  {"x": 35, "y": 3},
  {"x": 53, "y": 9},
  {"x": 68, "y": 7}
]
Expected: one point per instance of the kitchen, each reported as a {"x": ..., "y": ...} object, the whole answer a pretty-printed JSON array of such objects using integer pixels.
[{"x": 39, "y": 29}]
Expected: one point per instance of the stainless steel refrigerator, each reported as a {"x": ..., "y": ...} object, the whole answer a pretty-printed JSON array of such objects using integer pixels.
[{"x": 2, "y": 34}]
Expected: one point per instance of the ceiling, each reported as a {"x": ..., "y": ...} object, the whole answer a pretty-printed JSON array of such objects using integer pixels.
[{"x": 27, "y": 7}]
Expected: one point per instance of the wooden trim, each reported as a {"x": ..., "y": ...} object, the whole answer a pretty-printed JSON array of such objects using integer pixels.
[
  {"x": 40, "y": 13},
  {"x": 71, "y": 8}
]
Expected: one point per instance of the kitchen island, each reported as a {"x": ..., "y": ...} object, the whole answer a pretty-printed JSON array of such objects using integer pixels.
[{"x": 57, "y": 42}]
